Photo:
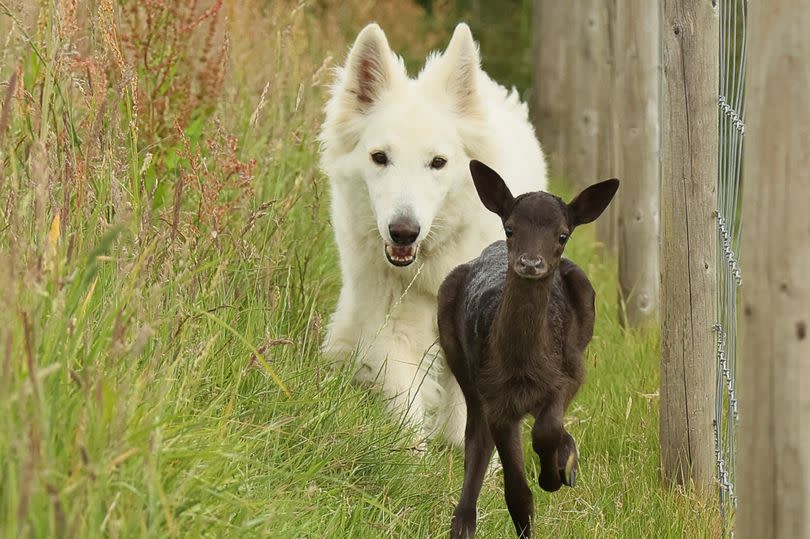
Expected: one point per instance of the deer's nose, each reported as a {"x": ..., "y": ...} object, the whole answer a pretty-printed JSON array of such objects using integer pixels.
[
  {"x": 533, "y": 265},
  {"x": 404, "y": 231}
]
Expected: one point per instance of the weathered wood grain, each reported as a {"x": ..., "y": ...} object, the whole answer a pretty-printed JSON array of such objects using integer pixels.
[
  {"x": 773, "y": 467},
  {"x": 688, "y": 200},
  {"x": 637, "y": 100},
  {"x": 552, "y": 55}
]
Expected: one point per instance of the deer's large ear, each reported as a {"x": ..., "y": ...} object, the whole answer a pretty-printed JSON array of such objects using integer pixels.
[
  {"x": 370, "y": 67},
  {"x": 492, "y": 190},
  {"x": 590, "y": 203}
]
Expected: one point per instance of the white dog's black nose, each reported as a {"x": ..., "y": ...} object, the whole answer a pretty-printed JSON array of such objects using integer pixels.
[{"x": 404, "y": 231}]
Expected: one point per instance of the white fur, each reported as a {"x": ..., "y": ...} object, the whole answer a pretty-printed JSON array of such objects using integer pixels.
[{"x": 385, "y": 320}]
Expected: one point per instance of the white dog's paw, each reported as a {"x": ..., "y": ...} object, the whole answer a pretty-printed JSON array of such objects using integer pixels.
[
  {"x": 450, "y": 419},
  {"x": 452, "y": 431},
  {"x": 419, "y": 446}
]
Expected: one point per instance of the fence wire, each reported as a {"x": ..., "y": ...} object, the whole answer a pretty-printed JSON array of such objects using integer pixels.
[{"x": 731, "y": 103}]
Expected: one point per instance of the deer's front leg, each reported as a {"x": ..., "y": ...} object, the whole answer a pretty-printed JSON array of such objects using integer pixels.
[
  {"x": 478, "y": 448},
  {"x": 555, "y": 447},
  {"x": 516, "y": 490}
]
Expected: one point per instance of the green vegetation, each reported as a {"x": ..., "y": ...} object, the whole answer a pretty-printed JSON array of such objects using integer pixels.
[{"x": 167, "y": 268}]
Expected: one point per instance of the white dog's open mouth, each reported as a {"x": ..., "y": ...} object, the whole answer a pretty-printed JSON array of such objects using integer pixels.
[{"x": 401, "y": 255}]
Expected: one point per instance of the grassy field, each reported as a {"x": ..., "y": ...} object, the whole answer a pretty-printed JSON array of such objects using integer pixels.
[{"x": 167, "y": 267}]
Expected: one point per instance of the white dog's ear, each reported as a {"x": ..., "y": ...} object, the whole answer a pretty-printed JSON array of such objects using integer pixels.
[
  {"x": 370, "y": 67},
  {"x": 460, "y": 66}
]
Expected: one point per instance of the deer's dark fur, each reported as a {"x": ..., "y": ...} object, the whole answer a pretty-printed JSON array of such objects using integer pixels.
[{"x": 514, "y": 324}]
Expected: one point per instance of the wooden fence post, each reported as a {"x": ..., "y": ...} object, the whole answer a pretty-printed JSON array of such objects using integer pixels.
[
  {"x": 688, "y": 239},
  {"x": 588, "y": 76},
  {"x": 552, "y": 56},
  {"x": 773, "y": 471},
  {"x": 609, "y": 138},
  {"x": 637, "y": 99},
  {"x": 572, "y": 72}
]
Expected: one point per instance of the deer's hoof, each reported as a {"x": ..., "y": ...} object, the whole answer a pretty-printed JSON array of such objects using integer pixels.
[
  {"x": 568, "y": 475},
  {"x": 463, "y": 523},
  {"x": 567, "y": 461}
]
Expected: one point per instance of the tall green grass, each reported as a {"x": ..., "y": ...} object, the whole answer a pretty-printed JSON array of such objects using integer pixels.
[{"x": 166, "y": 275}]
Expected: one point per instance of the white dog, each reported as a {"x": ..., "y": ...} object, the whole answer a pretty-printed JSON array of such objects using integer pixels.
[{"x": 405, "y": 210}]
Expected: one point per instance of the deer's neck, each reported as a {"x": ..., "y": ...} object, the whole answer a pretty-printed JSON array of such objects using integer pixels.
[{"x": 520, "y": 326}]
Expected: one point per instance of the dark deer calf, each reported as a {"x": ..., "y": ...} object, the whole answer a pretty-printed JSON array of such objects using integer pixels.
[{"x": 514, "y": 324}]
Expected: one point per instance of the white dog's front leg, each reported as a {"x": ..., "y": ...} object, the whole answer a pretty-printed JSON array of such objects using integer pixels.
[
  {"x": 401, "y": 375},
  {"x": 451, "y": 409},
  {"x": 392, "y": 348},
  {"x": 402, "y": 360}
]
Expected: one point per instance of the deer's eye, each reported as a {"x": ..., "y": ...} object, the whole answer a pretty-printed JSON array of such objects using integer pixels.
[
  {"x": 508, "y": 231},
  {"x": 380, "y": 158},
  {"x": 563, "y": 239},
  {"x": 438, "y": 162}
]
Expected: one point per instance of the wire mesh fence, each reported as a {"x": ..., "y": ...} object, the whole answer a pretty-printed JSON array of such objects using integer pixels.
[{"x": 731, "y": 101}]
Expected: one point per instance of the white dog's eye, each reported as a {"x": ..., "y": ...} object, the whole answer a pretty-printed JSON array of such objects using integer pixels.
[
  {"x": 380, "y": 158},
  {"x": 438, "y": 162}
]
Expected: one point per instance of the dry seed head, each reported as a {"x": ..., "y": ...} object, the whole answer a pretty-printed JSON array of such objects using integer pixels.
[
  {"x": 262, "y": 101},
  {"x": 106, "y": 19}
]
